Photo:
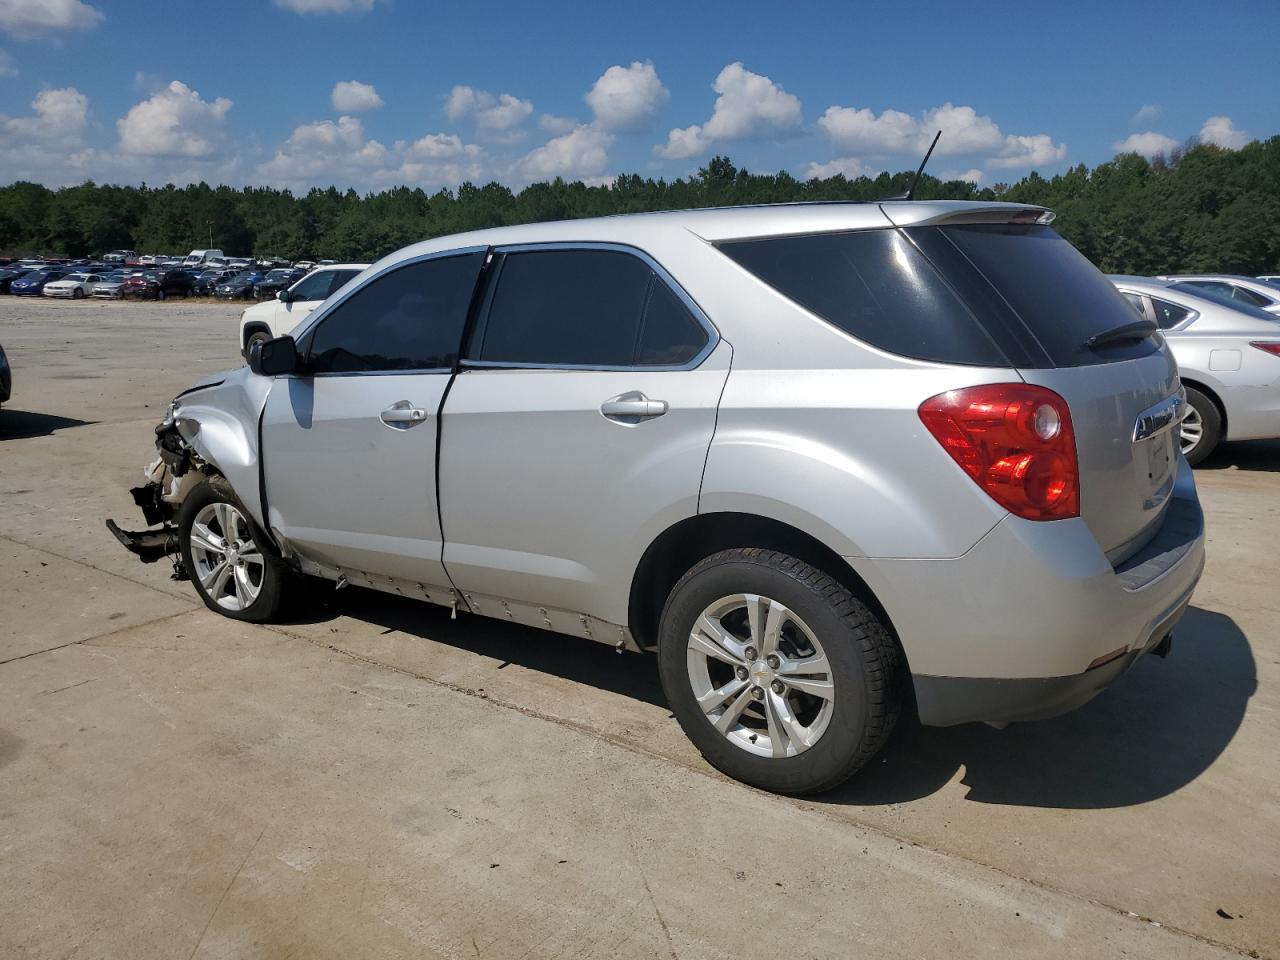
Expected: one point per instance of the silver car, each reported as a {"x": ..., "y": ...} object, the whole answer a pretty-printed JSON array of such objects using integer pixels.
[
  {"x": 828, "y": 461},
  {"x": 1250, "y": 291},
  {"x": 1228, "y": 355}
]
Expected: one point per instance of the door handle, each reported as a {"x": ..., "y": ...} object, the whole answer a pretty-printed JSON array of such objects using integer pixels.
[
  {"x": 402, "y": 415},
  {"x": 632, "y": 407}
]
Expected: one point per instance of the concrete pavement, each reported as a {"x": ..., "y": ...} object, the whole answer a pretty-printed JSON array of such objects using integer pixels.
[{"x": 383, "y": 781}]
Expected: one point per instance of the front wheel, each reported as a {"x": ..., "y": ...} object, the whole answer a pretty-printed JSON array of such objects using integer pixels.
[
  {"x": 779, "y": 675},
  {"x": 77, "y": 294},
  {"x": 234, "y": 568},
  {"x": 160, "y": 294}
]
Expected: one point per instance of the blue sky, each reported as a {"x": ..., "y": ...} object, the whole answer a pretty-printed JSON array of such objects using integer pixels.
[{"x": 374, "y": 93}]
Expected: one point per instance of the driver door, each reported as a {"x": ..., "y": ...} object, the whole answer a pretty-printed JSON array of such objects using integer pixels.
[{"x": 349, "y": 447}]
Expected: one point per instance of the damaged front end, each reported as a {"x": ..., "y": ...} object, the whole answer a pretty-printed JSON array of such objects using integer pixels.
[{"x": 170, "y": 477}]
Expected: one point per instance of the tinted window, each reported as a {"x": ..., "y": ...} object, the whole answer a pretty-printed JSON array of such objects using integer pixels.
[
  {"x": 1135, "y": 301},
  {"x": 1055, "y": 291},
  {"x": 314, "y": 287},
  {"x": 580, "y": 307},
  {"x": 670, "y": 335},
  {"x": 1222, "y": 299},
  {"x": 876, "y": 286},
  {"x": 1251, "y": 298},
  {"x": 410, "y": 318},
  {"x": 1169, "y": 315}
]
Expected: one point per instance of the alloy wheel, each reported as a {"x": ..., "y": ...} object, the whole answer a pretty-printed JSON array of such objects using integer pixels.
[
  {"x": 227, "y": 561},
  {"x": 760, "y": 676},
  {"x": 1192, "y": 430}
]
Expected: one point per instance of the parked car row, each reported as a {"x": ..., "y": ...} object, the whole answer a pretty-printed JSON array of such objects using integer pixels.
[{"x": 103, "y": 280}]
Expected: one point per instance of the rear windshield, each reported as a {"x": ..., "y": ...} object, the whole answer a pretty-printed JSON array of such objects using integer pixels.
[
  {"x": 1057, "y": 293},
  {"x": 1222, "y": 300},
  {"x": 985, "y": 294}
]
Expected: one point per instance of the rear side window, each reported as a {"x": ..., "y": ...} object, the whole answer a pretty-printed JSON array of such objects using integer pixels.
[
  {"x": 409, "y": 318},
  {"x": 1169, "y": 315},
  {"x": 876, "y": 286},
  {"x": 586, "y": 308},
  {"x": 1056, "y": 292}
]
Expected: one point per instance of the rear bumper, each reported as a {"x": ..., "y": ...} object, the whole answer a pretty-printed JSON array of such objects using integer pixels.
[{"x": 1033, "y": 621}]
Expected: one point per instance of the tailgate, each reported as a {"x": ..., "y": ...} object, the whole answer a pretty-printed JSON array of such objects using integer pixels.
[{"x": 1126, "y": 441}]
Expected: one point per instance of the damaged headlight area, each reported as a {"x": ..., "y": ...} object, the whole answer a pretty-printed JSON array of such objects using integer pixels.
[{"x": 175, "y": 472}]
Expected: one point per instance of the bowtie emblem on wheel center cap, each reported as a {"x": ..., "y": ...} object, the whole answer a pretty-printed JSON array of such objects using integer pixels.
[{"x": 761, "y": 673}]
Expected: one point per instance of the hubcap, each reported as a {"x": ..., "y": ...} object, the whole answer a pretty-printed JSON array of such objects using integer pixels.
[
  {"x": 760, "y": 676},
  {"x": 227, "y": 562},
  {"x": 1192, "y": 429}
]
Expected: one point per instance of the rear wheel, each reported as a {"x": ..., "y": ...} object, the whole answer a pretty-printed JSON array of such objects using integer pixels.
[
  {"x": 234, "y": 568},
  {"x": 777, "y": 673},
  {"x": 1201, "y": 427}
]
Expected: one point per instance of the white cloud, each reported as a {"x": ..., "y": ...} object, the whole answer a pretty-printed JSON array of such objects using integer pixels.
[
  {"x": 965, "y": 132},
  {"x": 583, "y": 152},
  {"x": 850, "y": 167},
  {"x": 59, "y": 120},
  {"x": 174, "y": 122},
  {"x": 497, "y": 118},
  {"x": 973, "y": 176},
  {"x": 352, "y": 96},
  {"x": 627, "y": 98},
  {"x": 326, "y": 6},
  {"x": 749, "y": 105},
  {"x": 338, "y": 152},
  {"x": 1147, "y": 144},
  {"x": 1035, "y": 151},
  {"x": 7, "y": 67},
  {"x": 555, "y": 125},
  {"x": 1222, "y": 132},
  {"x": 26, "y": 19},
  {"x": 1148, "y": 112}
]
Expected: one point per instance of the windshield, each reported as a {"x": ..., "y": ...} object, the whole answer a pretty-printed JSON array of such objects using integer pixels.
[
  {"x": 279, "y": 275},
  {"x": 1222, "y": 300}
]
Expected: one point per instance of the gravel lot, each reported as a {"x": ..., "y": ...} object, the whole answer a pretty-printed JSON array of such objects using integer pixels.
[{"x": 386, "y": 782}]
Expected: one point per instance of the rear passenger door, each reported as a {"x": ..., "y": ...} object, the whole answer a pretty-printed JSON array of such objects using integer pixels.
[{"x": 576, "y": 431}]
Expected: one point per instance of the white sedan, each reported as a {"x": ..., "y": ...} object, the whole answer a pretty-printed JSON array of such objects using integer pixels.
[{"x": 74, "y": 286}]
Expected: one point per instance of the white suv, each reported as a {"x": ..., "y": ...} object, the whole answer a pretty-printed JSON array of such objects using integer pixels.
[{"x": 277, "y": 317}]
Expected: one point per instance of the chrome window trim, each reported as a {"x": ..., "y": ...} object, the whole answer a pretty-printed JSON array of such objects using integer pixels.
[
  {"x": 699, "y": 316},
  {"x": 319, "y": 314}
]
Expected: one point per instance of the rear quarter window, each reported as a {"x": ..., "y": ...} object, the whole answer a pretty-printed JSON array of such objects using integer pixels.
[{"x": 876, "y": 286}]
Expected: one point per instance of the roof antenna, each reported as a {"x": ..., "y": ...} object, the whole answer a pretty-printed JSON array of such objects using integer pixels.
[{"x": 910, "y": 193}]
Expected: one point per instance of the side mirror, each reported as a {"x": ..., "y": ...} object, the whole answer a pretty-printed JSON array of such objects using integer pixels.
[
  {"x": 284, "y": 296},
  {"x": 271, "y": 358}
]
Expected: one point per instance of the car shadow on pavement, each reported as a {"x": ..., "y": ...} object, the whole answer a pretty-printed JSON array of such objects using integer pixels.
[
  {"x": 1251, "y": 455},
  {"x": 1155, "y": 730},
  {"x": 20, "y": 424},
  {"x": 573, "y": 658}
]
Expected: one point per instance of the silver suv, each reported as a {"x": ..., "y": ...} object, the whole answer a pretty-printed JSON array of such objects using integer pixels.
[{"x": 828, "y": 461}]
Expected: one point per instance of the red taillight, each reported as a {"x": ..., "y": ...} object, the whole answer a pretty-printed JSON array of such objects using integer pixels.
[
  {"x": 1267, "y": 346},
  {"x": 1016, "y": 441}
]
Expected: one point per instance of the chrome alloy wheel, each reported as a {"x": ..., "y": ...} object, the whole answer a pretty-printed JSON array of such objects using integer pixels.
[
  {"x": 227, "y": 562},
  {"x": 760, "y": 675},
  {"x": 1192, "y": 430}
]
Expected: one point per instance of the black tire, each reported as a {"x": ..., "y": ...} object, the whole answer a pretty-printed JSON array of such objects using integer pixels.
[
  {"x": 77, "y": 294},
  {"x": 258, "y": 336},
  {"x": 1211, "y": 426},
  {"x": 280, "y": 584},
  {"x": 866, "y": 668},
  {"x": 160, "y": 294}
]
